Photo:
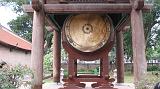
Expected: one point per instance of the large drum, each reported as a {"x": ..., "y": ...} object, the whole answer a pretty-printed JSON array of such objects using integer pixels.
[{"x": 88, "y": 32}]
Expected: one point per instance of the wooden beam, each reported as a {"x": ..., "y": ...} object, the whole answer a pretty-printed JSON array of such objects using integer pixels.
[
  {"x": 51, "y": 24},
  {"x": 36, "y": 5},
  {"x": 87, "y": 8},
  {"x": 123, "y": 22},
  {"x": 111, "y": 1}
]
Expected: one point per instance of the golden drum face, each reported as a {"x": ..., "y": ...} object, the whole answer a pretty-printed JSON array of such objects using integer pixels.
[{"x": 87, "y": 32}]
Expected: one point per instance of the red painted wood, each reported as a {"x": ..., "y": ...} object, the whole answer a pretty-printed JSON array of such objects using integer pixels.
[
  {"x": 36, "y": 5},
  {"x": 120, "y": 57},
  {"x": 138, "y": 4},
  {"x": 87, "y": 1},
  {"x": 37, "y": 49},
  {"x": 56, "y": 56},
  {"x": 138, "y": 45},
  {"x": 122, "y": 23},
  {"x": 88, "y": 8},
  {"x": 104, "y": 80}
]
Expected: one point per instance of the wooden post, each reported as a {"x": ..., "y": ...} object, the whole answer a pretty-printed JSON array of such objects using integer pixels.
[
  {"x": 120, "y": 57},
  {"x": 56, "y": 56},
  {"x": 138, "y": 45},
  {"x": 71, "y": 67},
  {"x": 37, "y": 48}
]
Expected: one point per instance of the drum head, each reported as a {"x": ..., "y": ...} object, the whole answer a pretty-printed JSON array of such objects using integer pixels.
[{"x": 87, "y": 32}]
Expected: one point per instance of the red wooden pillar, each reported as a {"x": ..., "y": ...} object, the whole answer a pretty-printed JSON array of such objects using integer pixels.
[
  {"x": 138, "y": 45},
  {"x": 37, "y": 48},
  {"x": 120, "y": 57},
  {"x": 56, "y": 56},
  {"x": 71, "y": 67}
]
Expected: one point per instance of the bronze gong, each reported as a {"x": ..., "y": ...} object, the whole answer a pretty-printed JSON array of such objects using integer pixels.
[{"x": 87, "y": 32}]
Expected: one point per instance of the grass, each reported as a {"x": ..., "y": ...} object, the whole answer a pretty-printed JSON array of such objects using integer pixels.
[
  {"x": 129, "y": 77},
  {"x": 50, "y": 80},
  {"x": 149, "y": 81}
]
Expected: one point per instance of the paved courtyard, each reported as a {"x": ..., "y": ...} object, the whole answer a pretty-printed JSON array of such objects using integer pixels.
[
  {"x": 119, "y": 86},
  {"x": 56, "y": 86}
]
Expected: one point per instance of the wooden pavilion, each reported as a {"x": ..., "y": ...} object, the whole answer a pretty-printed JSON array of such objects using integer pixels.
[{"x": 54, "y": 12}]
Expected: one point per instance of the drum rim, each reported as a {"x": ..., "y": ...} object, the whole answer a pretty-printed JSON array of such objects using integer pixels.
[{"x": 107, "y": 19}]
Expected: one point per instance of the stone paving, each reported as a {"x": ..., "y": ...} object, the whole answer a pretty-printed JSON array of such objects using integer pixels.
[
  {"x": 119, "y": 86},
  {"x": 56, "y": 86}
]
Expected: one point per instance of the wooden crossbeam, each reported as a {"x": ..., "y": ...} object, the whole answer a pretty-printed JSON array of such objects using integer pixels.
[
  {"x": 87, "y": 8},
  {"x": 122, "y": 23}
]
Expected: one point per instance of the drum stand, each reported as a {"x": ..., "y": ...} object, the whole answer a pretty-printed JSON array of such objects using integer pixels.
[{"x": 73, "y": 81}]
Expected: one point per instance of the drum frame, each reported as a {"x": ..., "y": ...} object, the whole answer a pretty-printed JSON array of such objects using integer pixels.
[{"x": 73, "y": 81}]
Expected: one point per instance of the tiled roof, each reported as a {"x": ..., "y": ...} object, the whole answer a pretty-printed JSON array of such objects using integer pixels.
[{"x": 9, "y": 38}]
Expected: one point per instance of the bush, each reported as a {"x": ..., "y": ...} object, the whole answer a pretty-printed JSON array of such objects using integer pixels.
[
  {"x": 153, "y": 68},
  {"x": 47, "y": 63},
  {"x": 65, "y": 73},
  {"x": 11, "y": 78}
]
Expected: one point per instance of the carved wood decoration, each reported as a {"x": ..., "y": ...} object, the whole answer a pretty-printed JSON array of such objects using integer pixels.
[
  {"x": 138, "y": 4},
  {"x": 36, "y": 5}
]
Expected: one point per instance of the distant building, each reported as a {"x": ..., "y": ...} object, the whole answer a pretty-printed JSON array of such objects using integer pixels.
[{"x": 14, "y": 49}]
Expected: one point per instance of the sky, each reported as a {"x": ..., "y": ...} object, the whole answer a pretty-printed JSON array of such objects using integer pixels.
[{"x": 6, "y": 15}]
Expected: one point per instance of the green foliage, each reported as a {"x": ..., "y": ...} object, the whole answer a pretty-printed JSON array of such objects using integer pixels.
[
  {"x": 11, "y": 78},
  {"x": 65, "y": 73},
  {"x": 64, "y": 55},
  {"x": 22, "y": 26},
  {"x": 153, "y": 68},
  {"x": 91, "y": 71},
  {"x": 152, "y": 30},
  {"x": 47, "y": 62},
  {"x": 128, "y": 77},
  {"x": 15, "y": 4},
  {"x": 128, "y": 45}
]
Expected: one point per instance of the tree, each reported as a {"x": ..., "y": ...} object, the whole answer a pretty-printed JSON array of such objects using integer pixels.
[
  {"x": 22, "y": 26},
  {"x": 128, "y": 45},
  {"x": 152, "y": 30},
  {"x": 16, "y": 4}
]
